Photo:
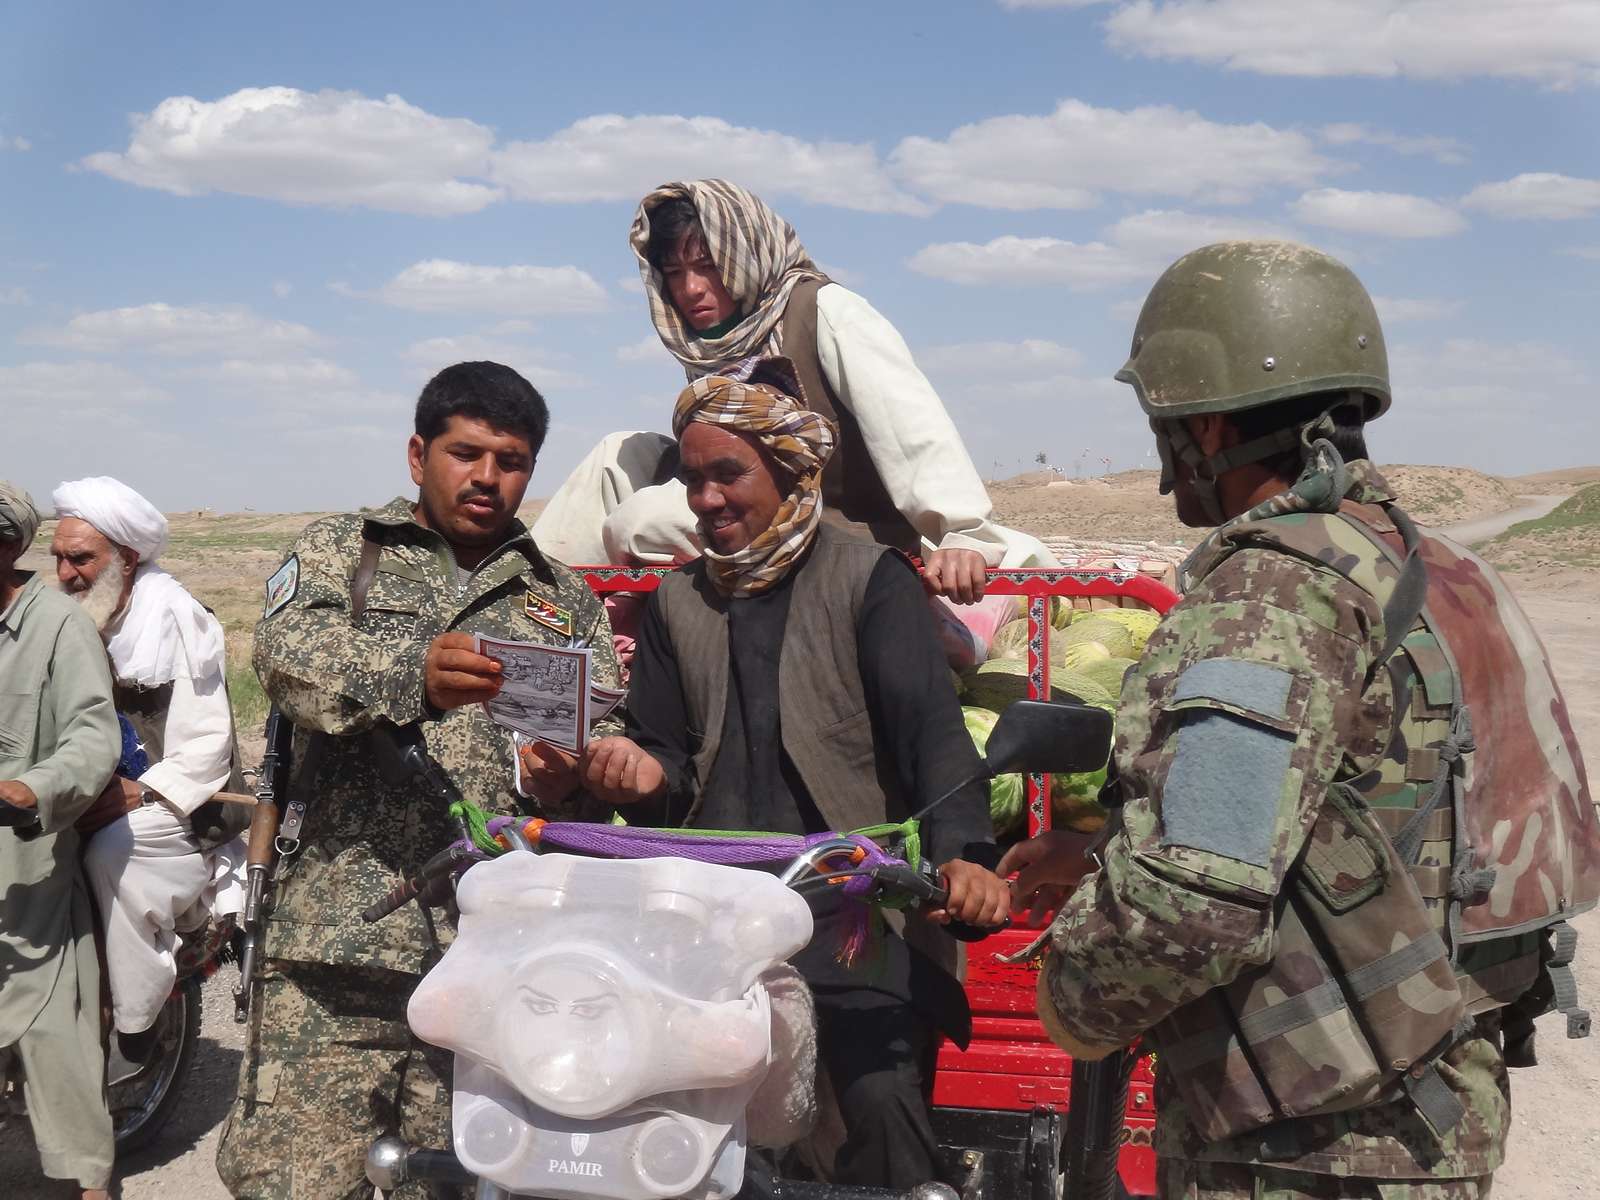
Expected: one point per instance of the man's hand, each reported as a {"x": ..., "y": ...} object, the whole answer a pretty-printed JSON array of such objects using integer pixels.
[
  {"x": 978, "y": 897},
  {"x": 958, "y": 575},
  {"x": 618, "y": 771},
  {"x": 549, "y": 775},
  {"x": 14, "y": 791},
  {"x": 18, "y": 805},
  {"x": 121, "y": 796},
  {"x": 1048, "y": 866},
  {"x": 453, "y": 675}
]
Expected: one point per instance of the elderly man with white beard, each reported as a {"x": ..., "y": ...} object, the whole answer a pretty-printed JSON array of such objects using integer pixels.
[{"x": 151, "y": 861}]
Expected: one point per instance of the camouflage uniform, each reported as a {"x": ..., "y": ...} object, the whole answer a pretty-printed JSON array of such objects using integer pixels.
[
  {"x": 330, "y": 1064},
  {"x": 1186, "y": 899}
]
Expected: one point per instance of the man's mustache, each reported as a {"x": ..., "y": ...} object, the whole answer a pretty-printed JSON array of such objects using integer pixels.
[{"x": 491, "y": 498}]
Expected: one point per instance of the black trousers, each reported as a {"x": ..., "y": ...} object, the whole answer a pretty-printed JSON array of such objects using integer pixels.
[{"x": 879, "y": 1055}]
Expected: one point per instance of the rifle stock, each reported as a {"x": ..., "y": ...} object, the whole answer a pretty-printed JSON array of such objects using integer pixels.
[{"x": 259, "y": 859}]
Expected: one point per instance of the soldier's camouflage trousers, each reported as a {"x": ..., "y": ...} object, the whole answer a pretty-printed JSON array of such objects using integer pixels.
[
  {"x": 329, "y": 1066},
  {"x": 1239, "y": 1181}
]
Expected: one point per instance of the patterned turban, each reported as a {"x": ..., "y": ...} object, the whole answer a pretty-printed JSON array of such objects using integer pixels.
[
  {"x": 762, "y": 398},
  {"x": 19, "y": 519},
  {"x": 756, "y": 252}
]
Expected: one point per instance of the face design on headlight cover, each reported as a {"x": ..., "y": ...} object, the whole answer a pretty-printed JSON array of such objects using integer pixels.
[{"x": 571, "y": 1033}]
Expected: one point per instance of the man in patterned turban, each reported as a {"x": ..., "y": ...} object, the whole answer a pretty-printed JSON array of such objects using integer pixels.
[
  {"x": 727, "y": 278},
  {"x": 789, "y": 681}
]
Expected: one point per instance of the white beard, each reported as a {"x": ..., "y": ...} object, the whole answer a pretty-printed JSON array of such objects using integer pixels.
[{"x": 103, "y": 598}]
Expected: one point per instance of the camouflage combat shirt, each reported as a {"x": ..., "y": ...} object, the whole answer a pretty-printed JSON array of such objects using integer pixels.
[
  {"x": 332, "y": 677},
  {"x": 1181, "y": 906}
]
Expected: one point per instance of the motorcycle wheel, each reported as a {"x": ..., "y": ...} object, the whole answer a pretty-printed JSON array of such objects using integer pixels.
[{"x": 143, "y": 1102}]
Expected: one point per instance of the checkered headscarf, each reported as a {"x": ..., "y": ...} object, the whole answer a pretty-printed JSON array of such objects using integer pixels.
[
  {"x": 799, "y": 440},
  {"x": 756, "y": 252}
]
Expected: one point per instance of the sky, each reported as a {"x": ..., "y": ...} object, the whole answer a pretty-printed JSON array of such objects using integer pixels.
[{"x": 236, "y": 240}]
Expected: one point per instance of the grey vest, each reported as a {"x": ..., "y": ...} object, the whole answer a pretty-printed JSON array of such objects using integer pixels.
[{"x": 822, "y": 707}]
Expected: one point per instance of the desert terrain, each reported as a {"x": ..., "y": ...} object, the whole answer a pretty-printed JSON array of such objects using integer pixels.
[{"x": 1553, "y": 563}]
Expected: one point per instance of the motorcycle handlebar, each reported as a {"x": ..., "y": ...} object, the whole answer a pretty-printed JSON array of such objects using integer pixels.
[{"x": 929, "y": 893}]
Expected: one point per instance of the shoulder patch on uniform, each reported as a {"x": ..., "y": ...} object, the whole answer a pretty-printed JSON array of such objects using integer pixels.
[
  {"x": 281, "y": 587},
  {"x": 551, "y": 616},
  {"x": 1259, "y": 687},
  {"x": 1227, "y": 779}
]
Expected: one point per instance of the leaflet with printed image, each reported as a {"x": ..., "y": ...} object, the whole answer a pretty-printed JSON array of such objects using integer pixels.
[
  {"x": 544, "y": 693},
  {"x": 603, "y": 701}
]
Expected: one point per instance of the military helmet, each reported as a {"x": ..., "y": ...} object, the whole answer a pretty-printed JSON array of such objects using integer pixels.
[{"x": 1239, "y": 325}]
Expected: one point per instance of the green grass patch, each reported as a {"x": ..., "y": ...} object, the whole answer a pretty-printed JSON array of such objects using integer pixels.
[
  {"x": 1581, "y": 510},
  {"x": 275, "y": 541},
  {"x": 1569, "y": 536},
  {"x": 248, "y": 700}
]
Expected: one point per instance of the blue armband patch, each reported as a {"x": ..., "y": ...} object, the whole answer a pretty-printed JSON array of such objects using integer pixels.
[{"x": 1226, "y": 781}]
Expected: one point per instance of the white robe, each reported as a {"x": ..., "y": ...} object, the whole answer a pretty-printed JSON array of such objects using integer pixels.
[
  {"x": 609, "y": 510},
  {"x": 149, "y": 875}
]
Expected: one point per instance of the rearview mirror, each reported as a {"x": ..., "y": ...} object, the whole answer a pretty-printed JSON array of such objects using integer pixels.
[{"x": 1055, "y": 738}]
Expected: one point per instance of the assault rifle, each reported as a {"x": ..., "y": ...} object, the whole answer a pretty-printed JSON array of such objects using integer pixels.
[{"x": 271, "y": 783}]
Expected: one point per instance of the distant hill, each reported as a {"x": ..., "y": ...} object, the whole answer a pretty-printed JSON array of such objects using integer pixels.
[
  {"x": 1555, "y": 481},
  {"x": 1127, "y": 507}
]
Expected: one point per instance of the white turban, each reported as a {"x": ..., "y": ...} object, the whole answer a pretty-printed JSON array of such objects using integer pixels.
[
  {"x": 163, "y": 632},
  {"x": 117, "y": 511}
]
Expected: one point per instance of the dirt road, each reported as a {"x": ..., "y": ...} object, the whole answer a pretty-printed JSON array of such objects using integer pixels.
[{"x": 1481, "y": 529}]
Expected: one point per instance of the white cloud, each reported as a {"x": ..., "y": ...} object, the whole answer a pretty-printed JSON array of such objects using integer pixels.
[
  {"x": 842, "y": 275},
  {"x": 1590, "y": 252},
  {"x": 15, "y": 143},
  {"x": 1017, "y": 260},
  {"x": 1138, "y": 247},
  {"x": 1476, "y": 360},
  {"x": 1448, "y": 150},
  {"x": 1029, "y": 358},
  {"x": 178, "y": 331},
  {"x": 631, "y": 284},
  {"x": 339, "y": 149},
  {"x": 440, "y": 285},
  {"x": 1070, "y": 157},
  {"x": 1552, "y": 42},
  {"x": 1537, "y": 195},
  {"x": 1395, "y": 309},
  {"x": 316, "y": 375},
  {"x": 1016, "y": 4},
  {"x": 48, "y": 391},
  {"x": 647, "y": 349},
  {"x": 1386, "y": 214},
  {"x": 1158, "y": 236},
  {"x": 282, "y": 288},
  {"x": 1504, "y": 407},
  {"x": 612, "y": 157},
  {"x": 15, "y": 296},
  {"x": 542, "y": 369}
]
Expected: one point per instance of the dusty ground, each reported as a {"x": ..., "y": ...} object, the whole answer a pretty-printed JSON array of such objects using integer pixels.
[{"x": 1555, "y": 1135}]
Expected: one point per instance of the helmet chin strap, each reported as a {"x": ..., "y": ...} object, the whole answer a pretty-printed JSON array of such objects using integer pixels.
[{"x": 1175, "y": 444}]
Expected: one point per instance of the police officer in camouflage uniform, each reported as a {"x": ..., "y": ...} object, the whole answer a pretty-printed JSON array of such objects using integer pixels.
[
  {"x": 1264, "y": 710},
  {"x": 368, "y": 624}
]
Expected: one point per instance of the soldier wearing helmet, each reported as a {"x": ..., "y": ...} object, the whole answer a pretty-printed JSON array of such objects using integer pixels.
[{"x": 1304, "y": 906}]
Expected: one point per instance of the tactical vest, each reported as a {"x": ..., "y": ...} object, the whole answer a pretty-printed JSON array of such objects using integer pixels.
[
  {"x": 853, "y": 492},
  {"x": 1431, "y": 889}
]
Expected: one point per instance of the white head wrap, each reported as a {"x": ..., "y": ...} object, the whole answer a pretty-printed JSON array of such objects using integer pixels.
[
  {"x": 163, "y": 632},
  {"x": 117, "y": 511}
]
